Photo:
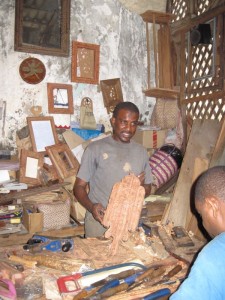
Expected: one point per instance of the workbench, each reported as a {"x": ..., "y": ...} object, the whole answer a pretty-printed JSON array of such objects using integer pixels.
[{"x": 92, "y": 254}]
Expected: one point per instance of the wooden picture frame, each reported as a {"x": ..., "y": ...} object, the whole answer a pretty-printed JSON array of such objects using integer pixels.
[
  {"x": 30, "y": 164},
  {"x": 85, "y": 63},
  {"x": 111, "y": 92},
  {"x": 42, "y": 27},
  {"x": 63, "y": 160},
  {"x": 42, "y": 132},
  {"x": 60, "y": 98}
]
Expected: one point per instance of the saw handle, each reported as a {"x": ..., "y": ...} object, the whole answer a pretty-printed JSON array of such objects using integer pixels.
[{"x": 61, "y": 282}]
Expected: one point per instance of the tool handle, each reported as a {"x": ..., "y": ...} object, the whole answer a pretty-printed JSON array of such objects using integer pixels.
[
  {"x": 145, "y": 274},
  {"x": 158, "y": 294},
  {"x": 61, "y": 282},
  {"x": 174, "y": 271},
  {"x": 112, "y": 291},
  {"x": 85, "y": 294},
  {"x": 108, "y": 285}
]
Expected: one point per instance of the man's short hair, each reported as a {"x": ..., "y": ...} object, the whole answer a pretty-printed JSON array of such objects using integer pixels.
[
  {"x": 211, "y": 183},
  {"x": 125, "y": 105}
]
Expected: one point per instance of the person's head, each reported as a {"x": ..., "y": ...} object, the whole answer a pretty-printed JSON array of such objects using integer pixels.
[
  {"x": 210, "y": 199},
  {"x": 124, "y": 121}
]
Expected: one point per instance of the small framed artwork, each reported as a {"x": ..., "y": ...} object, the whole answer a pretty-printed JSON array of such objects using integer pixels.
[
  {"x": 85, "y": 62},
  {"x": 60, "y": 98},
  {"x": 111, "y": 92},
  {"x": 42, "y": 132},
  {"x": 42, "y": 27},
  {"x": 30, "y": 164},
  {"x": 63, "y": 160}
]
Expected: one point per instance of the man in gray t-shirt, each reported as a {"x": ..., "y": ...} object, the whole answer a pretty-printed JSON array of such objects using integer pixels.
[{"x": 106, "y": 161}]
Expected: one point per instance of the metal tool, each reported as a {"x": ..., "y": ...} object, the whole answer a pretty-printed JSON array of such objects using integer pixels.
[
  {"x": 169, "y": 275},
  {"x": 115, "y": 282},
  {"x": 151, "y": 274},
  {"x": 109, "y": 283},
  {"x": 63, "y": 287},
  {"x": 39, "y": 243}
]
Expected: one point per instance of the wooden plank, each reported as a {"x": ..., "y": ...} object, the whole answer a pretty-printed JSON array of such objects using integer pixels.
[
  {"x": 164, "y": 58},
  {"x": 148, "y": 56},
  {"x": 162, "y": 93},
  {"x": 165, "y": 65},
  {"x": 30, "y": 192},
  {"x": 22, "y": 238},
  {"x": 201, "y": 142},
  {"x": 155, "y": 46},
  {"x": 219, "y": 151},
  {"x": 200, "y": 165}
]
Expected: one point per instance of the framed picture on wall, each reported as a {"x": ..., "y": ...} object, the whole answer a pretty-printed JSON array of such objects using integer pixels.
[
  {"x": 60, "y": 98},
  {"x": 42, "y": 27},
  {"x": 85, "y": 62}
]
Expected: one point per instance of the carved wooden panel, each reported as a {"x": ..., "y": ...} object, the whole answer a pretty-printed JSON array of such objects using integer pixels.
[{"x": 111, "y": 92}]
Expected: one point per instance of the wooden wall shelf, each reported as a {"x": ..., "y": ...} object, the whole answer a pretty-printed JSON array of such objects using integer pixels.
[
  {"x": 151, "y": 16},
  {"x": 162, "y": 93}
]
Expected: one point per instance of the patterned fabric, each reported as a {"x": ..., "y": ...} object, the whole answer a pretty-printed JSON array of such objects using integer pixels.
[{"x": 163, "y": 167}]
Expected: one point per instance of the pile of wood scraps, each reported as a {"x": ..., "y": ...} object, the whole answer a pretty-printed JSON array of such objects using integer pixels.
[{"x": 153, "y": 258}]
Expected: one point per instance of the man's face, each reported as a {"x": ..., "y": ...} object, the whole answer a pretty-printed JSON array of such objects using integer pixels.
[
  {"x": 210, "y": 216},
  {"x": 124, "y": 125}
]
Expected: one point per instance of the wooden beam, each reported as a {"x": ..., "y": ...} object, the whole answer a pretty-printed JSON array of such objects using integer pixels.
[{"x": 148, "y": 56}]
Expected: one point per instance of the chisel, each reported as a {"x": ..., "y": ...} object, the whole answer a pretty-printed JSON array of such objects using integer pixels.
[
  {"x": 169, "y": 275},
  {"x": 151, "y": 274}
]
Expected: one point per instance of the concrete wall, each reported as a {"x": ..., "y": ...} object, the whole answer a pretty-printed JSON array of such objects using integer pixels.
[{"x": 121, "y": 36}]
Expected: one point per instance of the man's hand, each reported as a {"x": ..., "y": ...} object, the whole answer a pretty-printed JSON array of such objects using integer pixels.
[
  {"x": 98, "y": 212},
  {"x": 141, "y": 177},
  {"x": 147, "y": 187}
]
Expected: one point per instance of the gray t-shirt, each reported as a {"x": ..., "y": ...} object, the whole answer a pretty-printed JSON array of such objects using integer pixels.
[{"x": 106, "y": 161}]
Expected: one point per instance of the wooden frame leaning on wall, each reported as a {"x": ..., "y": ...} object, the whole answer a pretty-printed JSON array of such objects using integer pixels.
[
  {"x": 63, "y": 160},
  {"x": 30, "y": 164},
  {"x": 42, "y": 132}
]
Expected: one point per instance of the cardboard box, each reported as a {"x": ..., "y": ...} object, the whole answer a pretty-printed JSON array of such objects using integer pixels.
[
  {"x": 33, "y": 221},
  {"x": 150, "y": 138}
]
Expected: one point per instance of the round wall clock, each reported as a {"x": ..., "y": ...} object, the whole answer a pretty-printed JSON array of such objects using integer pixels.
[{"x": 32, "y": 70}]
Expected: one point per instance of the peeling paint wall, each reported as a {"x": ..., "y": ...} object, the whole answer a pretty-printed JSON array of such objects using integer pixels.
[{"x": 121, "y": 36}]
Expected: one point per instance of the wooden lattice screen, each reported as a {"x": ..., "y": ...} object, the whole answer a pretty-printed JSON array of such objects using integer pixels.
[{"x": 201, "y": 76}]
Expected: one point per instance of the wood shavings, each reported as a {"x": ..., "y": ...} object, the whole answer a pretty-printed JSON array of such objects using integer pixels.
[{"x": 123, "y": 211}]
